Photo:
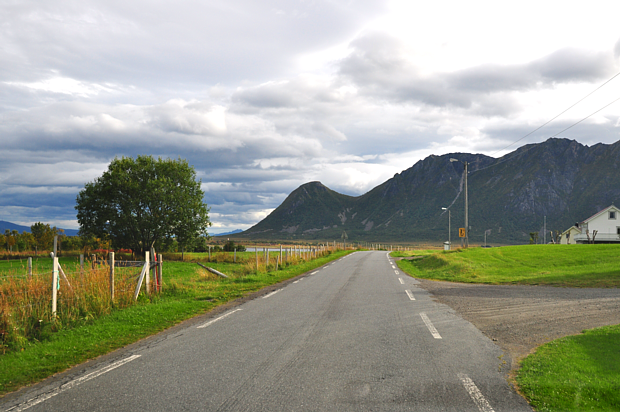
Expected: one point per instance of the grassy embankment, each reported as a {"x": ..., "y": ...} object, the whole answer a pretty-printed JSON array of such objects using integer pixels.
[
  {"x": 574, "y": 373},
  {"x": 78, "y": 335}
]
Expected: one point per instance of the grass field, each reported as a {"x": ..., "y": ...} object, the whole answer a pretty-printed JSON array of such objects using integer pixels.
[
  {"x": 576, "y": 373},
  {"x": 188, "y": 290},
  {"x": 551, "y": 265}
]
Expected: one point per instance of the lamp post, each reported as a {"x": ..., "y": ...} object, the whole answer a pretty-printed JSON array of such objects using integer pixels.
[
  {"x": 449, "y": 231},
  {"x": 466, "y": 210}
]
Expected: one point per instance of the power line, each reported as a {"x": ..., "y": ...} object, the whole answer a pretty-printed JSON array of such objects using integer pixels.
[
  {"x": 555, "y": 135},
  {"x": 549, "y": 121}
]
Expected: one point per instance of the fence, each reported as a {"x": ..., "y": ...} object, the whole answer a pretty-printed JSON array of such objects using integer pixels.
[{"x": 33, "y": 305}]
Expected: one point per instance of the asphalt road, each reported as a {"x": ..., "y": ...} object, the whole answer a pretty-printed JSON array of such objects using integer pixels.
[{"x": 355, "y": 335}]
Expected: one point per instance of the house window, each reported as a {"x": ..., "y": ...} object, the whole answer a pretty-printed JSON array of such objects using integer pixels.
[
  {"x": 618, "y": 230},
  {"x": 612, "y": 215}
]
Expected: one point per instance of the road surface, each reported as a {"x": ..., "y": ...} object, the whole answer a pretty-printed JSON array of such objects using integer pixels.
[{"x": 354, "y": 335}]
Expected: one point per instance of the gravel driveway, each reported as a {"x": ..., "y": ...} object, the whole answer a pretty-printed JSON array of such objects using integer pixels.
[{"x": 520, "y": 318}]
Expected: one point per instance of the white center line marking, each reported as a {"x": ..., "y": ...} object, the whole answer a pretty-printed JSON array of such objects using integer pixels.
[
  {"x": 397, "y": 272},
  {"x": 204, "y": 325},
  {"x": 411, "y": 297},
  {"x": 471, "y": 388},
  {"x": 430, "y": 326},
  {"x": 35, "y": 401},
  {"x": 402, "y": 282}
]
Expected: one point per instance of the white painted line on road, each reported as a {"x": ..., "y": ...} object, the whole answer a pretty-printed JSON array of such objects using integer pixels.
[
  {"x": 42, "y": 398},
  {"x": 393, "y": 267},
  {"x": 271, "y": 294},
  {"x": 299, "y": 280},
  {"x": 471, "y": 388},
  {"x": 314, "y": 273},
  {"x": 402, "y": 282},
  {"x": 411, "y": 297},
  {"x": 204, "y": 325},
  {"x": 397, "y": 272},
  {"x": 430, "y": 326}
]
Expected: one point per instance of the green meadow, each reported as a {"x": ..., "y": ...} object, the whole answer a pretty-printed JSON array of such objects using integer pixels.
[{"x": 594, "y": 266}]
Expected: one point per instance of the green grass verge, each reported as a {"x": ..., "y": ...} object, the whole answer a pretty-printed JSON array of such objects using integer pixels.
[
  {"x": 575, "y": 373},
  {"x": 552, "y": 265},
  {"x": 188, "y": 291}
]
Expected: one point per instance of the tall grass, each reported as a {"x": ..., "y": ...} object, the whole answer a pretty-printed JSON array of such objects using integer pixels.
[{"x": 25, "y": 302}]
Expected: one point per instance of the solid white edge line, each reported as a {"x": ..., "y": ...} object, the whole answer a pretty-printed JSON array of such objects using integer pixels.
[
  {"x": 402, "y": 282},
  {"x": 411, "y": 297},
  {"x": 35, "y": 401},
  {"x": 313, "y": 273},
  {"x": 271, "y": 294},
  {"x": 430, "y": 326},
  {"x": 471, "y": 388},
  {"x": 204, "y": 325}
]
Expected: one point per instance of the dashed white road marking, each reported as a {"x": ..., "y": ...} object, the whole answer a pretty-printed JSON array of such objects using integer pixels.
[
  {"x": 397, "y": 272},
  {"x": 314, "y": 273},
  {"x": 430, "y": 326},
  {"x": 471, "y": 388},
  {"x": 204, "y": 325},
  {"x": 411, "y": 297},
  {"x": 42, "y": 398},
  {"x": 402, "y": 282}
]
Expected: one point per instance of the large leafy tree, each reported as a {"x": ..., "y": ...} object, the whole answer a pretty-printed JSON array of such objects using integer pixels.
[{"x": 139, "y": 202}]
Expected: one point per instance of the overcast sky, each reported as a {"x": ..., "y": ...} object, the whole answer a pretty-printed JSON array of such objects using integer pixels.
[{"x": 262, "y": 96}]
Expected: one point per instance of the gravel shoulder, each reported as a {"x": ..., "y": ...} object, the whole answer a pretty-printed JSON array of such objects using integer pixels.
[{"x": 521, "y": 318}]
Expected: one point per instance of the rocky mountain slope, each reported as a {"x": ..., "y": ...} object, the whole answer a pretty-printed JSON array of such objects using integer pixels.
[{"x": 508, "y": 198}]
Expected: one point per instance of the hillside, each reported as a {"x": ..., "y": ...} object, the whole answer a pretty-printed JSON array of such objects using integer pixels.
[{"x": 508, "y": 198}]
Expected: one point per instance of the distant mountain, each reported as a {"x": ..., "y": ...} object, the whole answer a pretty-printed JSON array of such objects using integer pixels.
[
  {"x": 234, "y": 232},
  {"x": 12, "y": 226},
  {"x": 508, "y": 198}
]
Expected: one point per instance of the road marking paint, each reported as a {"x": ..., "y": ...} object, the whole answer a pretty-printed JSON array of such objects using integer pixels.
[
  {"x": 430, "y": 326},
  {"x": 271, "y": 294},
  {"x": 204, "y": 325},
  {"x": 411, "y": 297},
  {"x": 402, "y": 282},
  {"x": 314, "y": 273},
  {"x": 471, "y": 388},
  {"x": 397, "y": 272},
  {"x": 393, "y": 267},
  {"x": 71, "y": 384}
]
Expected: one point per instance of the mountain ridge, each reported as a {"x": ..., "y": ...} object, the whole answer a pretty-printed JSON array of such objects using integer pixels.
[{"x": 508, "y": 197}]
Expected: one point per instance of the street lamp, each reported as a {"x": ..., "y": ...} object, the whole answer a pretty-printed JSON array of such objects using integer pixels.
[
  {"x": 449, "y": 232},
  {"x": 466, "y": 211}
]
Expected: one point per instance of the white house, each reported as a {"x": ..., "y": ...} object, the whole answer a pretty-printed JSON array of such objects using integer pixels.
[
  {"x": 603, "y": 227},
  {"x": 568, "y": 236}
]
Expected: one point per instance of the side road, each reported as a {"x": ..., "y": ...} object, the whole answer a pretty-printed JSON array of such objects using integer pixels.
[{"x": 520, "y": 318}]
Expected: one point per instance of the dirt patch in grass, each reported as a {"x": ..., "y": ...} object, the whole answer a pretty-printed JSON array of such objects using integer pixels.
[{"x": 520, "y": 318}]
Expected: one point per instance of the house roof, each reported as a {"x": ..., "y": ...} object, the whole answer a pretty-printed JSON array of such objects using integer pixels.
[
  {"x": 571, "y": 228},
  {"x": 600, "y": 213}
]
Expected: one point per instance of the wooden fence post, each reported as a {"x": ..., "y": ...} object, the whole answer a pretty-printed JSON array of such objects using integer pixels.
[
  {"x": 148, "y": 272},
  {"x": 112, "y": 276},
  {"x": 161, "y": 267},
  {"x": 235, "y": 256},
  {"x": 256, "y": 253},
  {"x": 55, "y": 285},
  {"x": 29, "y": 268}
]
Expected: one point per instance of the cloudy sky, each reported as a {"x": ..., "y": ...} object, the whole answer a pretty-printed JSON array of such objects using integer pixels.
[{"x": 261, "y": 96}]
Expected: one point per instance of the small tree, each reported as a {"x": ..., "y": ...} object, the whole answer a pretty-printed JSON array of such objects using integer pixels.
[
  {"x": 533, "y": 238},
  {"x": 230, "y": 247},
  {"x": 138, "y": 202}
]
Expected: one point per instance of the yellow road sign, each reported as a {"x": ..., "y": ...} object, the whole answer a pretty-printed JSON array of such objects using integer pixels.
[{"x": 462, "y": 232}]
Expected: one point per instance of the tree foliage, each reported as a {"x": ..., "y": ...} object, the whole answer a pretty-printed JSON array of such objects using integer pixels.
[{"x": 139, "y": 202}]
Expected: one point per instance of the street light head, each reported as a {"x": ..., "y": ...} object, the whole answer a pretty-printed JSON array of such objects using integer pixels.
[
  {"x": 444, "y": 208},
  {"x": 453, "y": 160}
]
